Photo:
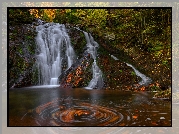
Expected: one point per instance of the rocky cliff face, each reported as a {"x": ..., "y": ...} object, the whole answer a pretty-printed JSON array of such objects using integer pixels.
[
  {"x": 22, "y": 49},
  {"x": 21, "y": 52}
]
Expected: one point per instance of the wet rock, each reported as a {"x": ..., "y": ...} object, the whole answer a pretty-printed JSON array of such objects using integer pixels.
[{"x": 79, "y": 74}]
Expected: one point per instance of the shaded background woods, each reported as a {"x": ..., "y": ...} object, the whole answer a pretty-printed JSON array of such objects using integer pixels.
[{"x": 138, "y": 36}]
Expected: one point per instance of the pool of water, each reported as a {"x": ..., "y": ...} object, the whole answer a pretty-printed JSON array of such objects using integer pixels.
[{"x": 54, "y": 106}]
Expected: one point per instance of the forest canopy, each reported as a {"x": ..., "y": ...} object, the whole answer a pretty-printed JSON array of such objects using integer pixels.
[{"x": 147, "y": 29}]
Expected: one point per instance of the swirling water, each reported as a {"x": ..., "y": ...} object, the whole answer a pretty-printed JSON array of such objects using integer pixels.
[{"x": 79, "y": 107}]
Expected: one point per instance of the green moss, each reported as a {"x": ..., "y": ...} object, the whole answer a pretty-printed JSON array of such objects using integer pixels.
[
  {"x": 133, "y": 73},
  {"x": 31, "y": 48},
  {"x": 20, "y": 51},
  {"x": 163, "y": 94},
  {"x": 35, "y": 75},
  {"x": 28, "y": 37}
]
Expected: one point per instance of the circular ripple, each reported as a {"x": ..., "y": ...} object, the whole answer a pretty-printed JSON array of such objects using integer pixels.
[
  {"x": 70, "y": 112},
  {"x": 74, "y": 112}
]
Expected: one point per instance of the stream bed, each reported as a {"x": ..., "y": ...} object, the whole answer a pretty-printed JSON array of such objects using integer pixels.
[{"x": 54, "y": 106}]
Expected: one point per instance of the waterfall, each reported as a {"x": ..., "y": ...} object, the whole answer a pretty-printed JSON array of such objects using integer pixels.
[
  {"x": 97, "y": 80},
  {"x": 54, "y": 52},
  {"x": 145, "y": 80}
]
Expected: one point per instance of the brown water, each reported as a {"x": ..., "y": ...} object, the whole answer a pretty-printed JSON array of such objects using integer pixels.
[{"x": 80, "y": 107}]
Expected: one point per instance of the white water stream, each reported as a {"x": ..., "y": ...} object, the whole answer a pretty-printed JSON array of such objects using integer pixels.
[
  {"x": 53, "y": 46},
  {"x": 97, "y": 80},
  {"x": 145, "y": 80}
]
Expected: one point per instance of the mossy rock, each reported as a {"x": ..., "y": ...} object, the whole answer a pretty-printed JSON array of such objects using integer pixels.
[{"x": 21, "y": 54}]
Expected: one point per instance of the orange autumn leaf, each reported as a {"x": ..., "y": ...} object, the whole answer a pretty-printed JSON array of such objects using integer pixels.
[{"x": 134, "y": 116}]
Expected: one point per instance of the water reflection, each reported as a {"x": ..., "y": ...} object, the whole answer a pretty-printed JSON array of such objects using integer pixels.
[
  {"x": 95, "y": 96},
  {"x": 80, "y": 107}
]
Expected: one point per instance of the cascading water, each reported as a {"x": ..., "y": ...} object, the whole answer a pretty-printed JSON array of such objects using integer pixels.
[
  {"x": 54, "y": 52},
  {"x": 97, "y": 80},
  {"x": 145, "y": 80}
]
